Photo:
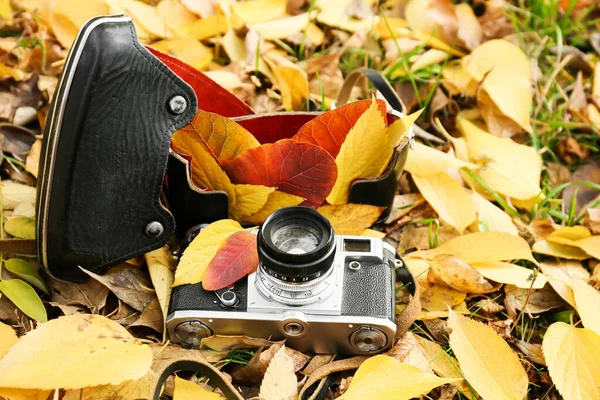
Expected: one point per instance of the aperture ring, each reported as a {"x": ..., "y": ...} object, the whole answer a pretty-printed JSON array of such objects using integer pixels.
[{"x": 299, "y": 283}]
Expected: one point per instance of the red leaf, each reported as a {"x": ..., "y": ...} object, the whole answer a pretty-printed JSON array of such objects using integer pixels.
[
  {"x": 236, "y": 258},
  {"x": 269, "y": 128},
  {"x": 329, "y": 130},
  {"x": 301, "y": 169},
  {"x": 211, "y": 96}
]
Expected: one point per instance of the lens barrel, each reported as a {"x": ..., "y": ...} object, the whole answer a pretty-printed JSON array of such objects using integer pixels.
[{"x": 296, "y": 244}]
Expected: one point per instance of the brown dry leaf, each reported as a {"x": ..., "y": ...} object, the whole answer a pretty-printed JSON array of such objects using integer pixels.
[
  {"x": 33, "y": 158},
  {"x": 151, "y": 317},
  {"x": 129, "y": 284},
  {"x": 91, "y": 294},
  {"x": 577, "y": 100},
  {"x": 351, "y": 219},
  {"x": 458, "y": 275},
  {"x": 403, "y": 204},
  {"x": 488, "y": 306},
  {"x": 280, "y": 381},
  {"x": 252, "y": 373},
  {"x": 533, "y": 352},
  {"x": 161, "y": 264},
  {"x": 532, "y": 301},
  {"x": 403, "y": 347},
  {"x": 592, "y": 220},
  {"x": 561, "y": 274}
]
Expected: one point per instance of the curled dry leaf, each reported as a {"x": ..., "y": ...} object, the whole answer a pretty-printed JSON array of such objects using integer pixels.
[
  {"x": 532, "y": 301},
  {"x": 161, "y": 264},
  {"x": 86, "y": 344},
  {"x": 561, "y": 275},
  {"x": 487, "y": 361},
  {"x": 512, "y": 274},
  {"x": 385, "y": 377},
  {"x": 301, "y": 169},
  {"x": 572, "y": 356},
  {"x": 587, "y": 301},
  {"x": 351, "y": 219},
  {"x": 280, "y": 381},
  {"x": 223, "y": 138},
  {"x": 458, "y": 275},
  {"x": 533, "y": 352},
  {"x": 293, "y": 84}
]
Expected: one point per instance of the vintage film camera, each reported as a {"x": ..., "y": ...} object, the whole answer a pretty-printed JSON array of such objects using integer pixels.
[
  {"x": 323, "y": 293},
  {"x": 103, "y": 198}
]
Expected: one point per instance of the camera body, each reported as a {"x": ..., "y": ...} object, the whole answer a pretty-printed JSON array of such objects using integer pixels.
[{"x": 348, "y": 308}]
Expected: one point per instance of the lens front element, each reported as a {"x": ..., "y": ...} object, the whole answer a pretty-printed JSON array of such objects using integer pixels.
[{"x": 296, "y": 239}]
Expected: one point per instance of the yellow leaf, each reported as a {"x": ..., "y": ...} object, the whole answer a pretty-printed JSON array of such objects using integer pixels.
[
  {"x": 593, "y": 114},
  {"x": 436, "y": 297},
  {"x": 384, "y": 377},
  {"x": 234, "y": 46},
  {"x": 205, "y": 28},
  {"x": 373, "y": 233},
  {"x": 571, "y": 232},
  {"x": 279, "y": 382},
  {"x": 25, "y": 394},
  {"x": 424, "y": 161},
  {"x": 572, "y": 356},
  {"x": 85, "y": 344},
  {"x": 487, "y": 361},
  {"x": 484, "y": 246},
  {"x": 338, "y": 18},
  {"x": 293, "y": 84},
  {"x": 174, "y": 14},
  {"x": 469, "y": 28},
  {"x": 448, "y": 198},
  {"x": 282, "y": 28},
  {"x": 255, "y": 11},
  {"x": 425, "y": 315},
  {"x": 509, "y": 168},
  {"x": 188, "y": 50},
  {"x": 443, "y": 364},
  {"x": 276, "y": 201},
  {"x": 494, "y": 53},
  {"x": 68, "y": 16},
  {"x": 250, "y": 200},
  {"x": 400, "y": 128},
  {"x": 365, "y": 153},
  {"x": 432, "y": 18},
  {"x": 8, "y": 337},
  {"x": 457, "y": 81},
  {"x": 398, "y": 27},
  {"x": 160, "y": 266},
  {"x": 146, "y": 16},
  {"x": 128, "y": 390},
  {"x": 14, "y": 193},
  {"x": 492, "y": 218},
  {"x": 202, "y": 249},
  {"x": 459, "y": 275},
  {"x": 590, "y": 245},
  {"x": 351, "y": 219},
  {"x": 186, "y": 390},
  {"x": 587, "y": 300},
  {"x": 512, "y": 274},
  {"x": 5, "y": 9},
  {"x": 430, "y": 57},
  {"x": 561, "y": 274},
  {"x": 558, "y": 250},
  {"x": 205, "y": 171},
  {"x": 33, "y": 158}
]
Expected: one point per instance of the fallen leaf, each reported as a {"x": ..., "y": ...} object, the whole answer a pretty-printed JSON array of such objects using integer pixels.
[
  {"x": 205, "y": 171},
  {"x": 198, "y": 255},
  {"x": 254, "y": 11},
  {"x": 337, "y": 17},
  {"x": 283, "y": 28},
  {"x": 587, "y": 301},
  {"x": 572, "y": 356},
  {"x": 400, "y": 128},
  {"x": 186, "y": 390},
  {"x": 512, "y": 274},
  {"x": 429, "y": 57},
  {"x": 20, "y": 227},
  {"x": 223, "y": 138},
  {"x": 174, "y": 15},
  {"x": 433, "y": 18},
  {"x": 435, "y": 297},
  {"x": 458, "y": 275},
  {"x": 351, "y": 219},
  {"x": 205, "y": 28},
  {"x": 448, "y": 198},
  {"x": 130, "y": 284},
  {"x": 85, "y": 344},
  {"x": 293, "y": 84},
  {"x": 508, "y": 167},
  {"x": 237, "y": 257},
  {"x": 425, "y": 161},
  {"x": 228, "y": 343},
  {"x": 532, "y": 351},
  {"x": 330, "y": 129},
  {"x": 202, "y": 8},
  {"x": 458, "y": 81},
  {"x": 558, "y": 250},
  {"x": 487, "y": 361},
  {"x": 24, "y": 394},
  {"x": 495, "y": 53},
  {"x": 33, "y": 158},
  {"x": 301, "y": 169},
  {"x": 68, "y": 16},
  {"x": 146, "y": 16},
  {"x": 188, "y": 50},
  {"x": 561, "y": 274},
  {"x": 444, "y": 364},
  {"x": 384, "y": 377},
  {"x": 26, "y": 272},
  {"x": 151, "y": 317},
  {"x": 14, "y": 193},
  {"x": 161, "y": 264},
  {"x": 25, "y": 298},
  {"x": 403, "y": 204},
  {"x": 492, "y": 218},
  {"x": 532, "y": 301},
  {"x": 128, "y": 390},
  {"x": 8, "y": 337},
  {"x": 280, "y": 381},
  {"x": 470, "y": 33},
  {"x": 275, "y": 201}
]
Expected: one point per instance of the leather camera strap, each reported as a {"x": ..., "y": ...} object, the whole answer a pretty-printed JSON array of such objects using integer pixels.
[{"x": 380, "y": 83}]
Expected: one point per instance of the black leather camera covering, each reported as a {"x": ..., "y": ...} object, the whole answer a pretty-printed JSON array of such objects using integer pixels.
[{"x": 105, "y": 152}]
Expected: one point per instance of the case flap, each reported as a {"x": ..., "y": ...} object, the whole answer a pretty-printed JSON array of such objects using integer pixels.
[{"x": 105, "y": 152}]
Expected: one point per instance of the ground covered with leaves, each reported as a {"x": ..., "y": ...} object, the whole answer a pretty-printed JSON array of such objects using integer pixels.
[{"x": 497, "y": 214}]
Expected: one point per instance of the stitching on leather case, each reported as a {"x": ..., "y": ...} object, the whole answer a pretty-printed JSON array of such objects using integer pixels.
[{"x": 158, "y": 186}]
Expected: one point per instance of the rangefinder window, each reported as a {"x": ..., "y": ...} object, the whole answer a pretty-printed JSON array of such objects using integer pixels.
[{"x": 357, "y": 245}]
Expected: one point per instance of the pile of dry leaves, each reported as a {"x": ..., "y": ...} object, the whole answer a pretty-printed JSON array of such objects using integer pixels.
[{"x": 497, "y": 215}]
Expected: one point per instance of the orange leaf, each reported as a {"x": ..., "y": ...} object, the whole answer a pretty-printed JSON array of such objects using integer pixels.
[
  {"x": 236, "y": 258},
  {"x": 301, "y": 169},
  {"x": 329, "y": 130},
  {"x": 351, "y": 219},
  {"x": 221, "y": 137}
]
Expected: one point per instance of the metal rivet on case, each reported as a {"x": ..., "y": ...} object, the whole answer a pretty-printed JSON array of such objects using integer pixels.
[
  {"x": 154, "y": 229},
  {"x": 354, "y": 265},
  {"x": 178, "y": 104},
  {"x": 398, "y": 263}
]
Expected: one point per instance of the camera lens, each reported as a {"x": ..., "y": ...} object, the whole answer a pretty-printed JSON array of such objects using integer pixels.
[{"x": 296, "y": 244}]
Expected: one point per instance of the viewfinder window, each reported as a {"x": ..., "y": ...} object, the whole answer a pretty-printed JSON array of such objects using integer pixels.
[{"x": 357, "y": 245}]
